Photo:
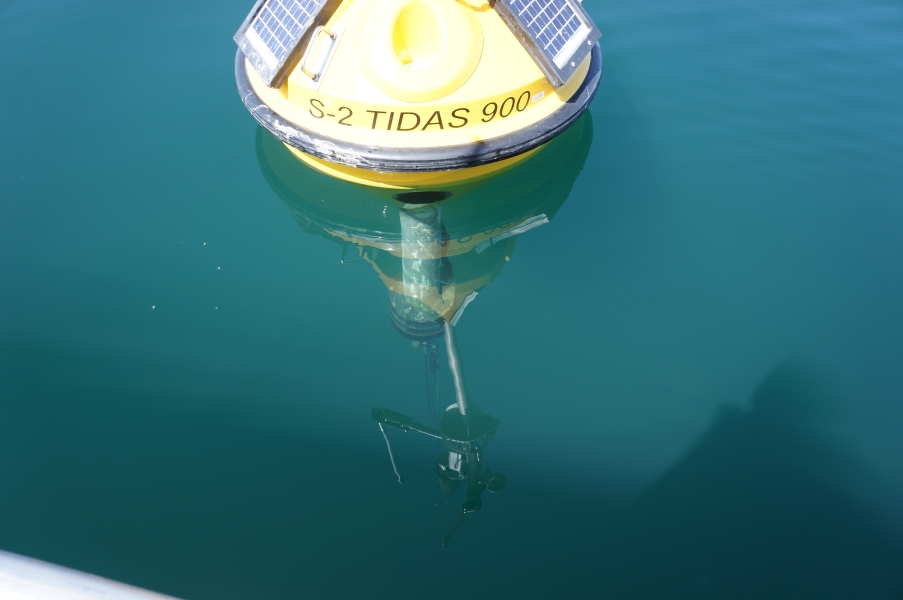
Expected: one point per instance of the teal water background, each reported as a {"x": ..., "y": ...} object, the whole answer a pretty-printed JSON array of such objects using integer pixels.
[{"x": 698, "y": 363}]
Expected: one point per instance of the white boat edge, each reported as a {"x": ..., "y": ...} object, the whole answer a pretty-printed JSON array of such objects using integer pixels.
[{"x": 23, "y": 578}]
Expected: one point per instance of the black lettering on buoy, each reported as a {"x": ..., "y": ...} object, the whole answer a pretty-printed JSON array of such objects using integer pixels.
[
  {"x": 502, "y": 112},
  {"x": 346, "y": 117},
  {"x": 376, "y": 114},
  {"x": 401, "y": 118},
  {"x": 317, "y": 108},
  {"x": 455, "y": 115},
  {"x": 438, "y": 121},
  {"x": 526, "y": 98},
  {"x": 490, "y": 114},
  {"x": 391, "y": 118}
]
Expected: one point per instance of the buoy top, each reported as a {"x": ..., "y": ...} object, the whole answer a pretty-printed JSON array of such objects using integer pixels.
[{"x": 459, "y": 83}]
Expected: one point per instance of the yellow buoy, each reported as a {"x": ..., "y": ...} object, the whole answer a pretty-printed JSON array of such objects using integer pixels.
[{"x": 416, "y": 94}]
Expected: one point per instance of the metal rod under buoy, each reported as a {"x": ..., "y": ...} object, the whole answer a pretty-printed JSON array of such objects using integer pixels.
[
  {"x": 391, "y": 456},
  {"x": 456, "y": 368}
]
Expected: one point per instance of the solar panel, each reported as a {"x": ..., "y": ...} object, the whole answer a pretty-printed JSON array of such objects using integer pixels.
[
  {"x": 272, "y": 32},
  {"x": 558, "y": 34}
]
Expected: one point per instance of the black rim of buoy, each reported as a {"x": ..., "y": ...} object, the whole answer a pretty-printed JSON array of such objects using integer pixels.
[{"x": 439, "y": 158}]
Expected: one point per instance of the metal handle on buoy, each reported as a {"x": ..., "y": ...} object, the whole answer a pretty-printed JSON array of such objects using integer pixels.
[{"x": 313, "y": 39}]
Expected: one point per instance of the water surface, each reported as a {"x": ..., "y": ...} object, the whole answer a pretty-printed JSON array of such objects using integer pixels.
[{"x": 695, "y": 362}]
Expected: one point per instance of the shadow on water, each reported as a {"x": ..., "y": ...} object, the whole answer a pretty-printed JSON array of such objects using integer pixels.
[{"x": 758, "y": 507}]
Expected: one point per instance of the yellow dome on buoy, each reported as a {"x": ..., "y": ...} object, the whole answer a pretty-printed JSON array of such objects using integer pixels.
[
  {"x": 416, "y": 93},
  {"x": 418, "y": 50}
]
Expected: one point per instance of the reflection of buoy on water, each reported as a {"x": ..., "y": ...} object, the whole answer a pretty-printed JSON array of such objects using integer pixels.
[
  {"x": 433, "y": 258},
  {"x": 416, "y": 94}
]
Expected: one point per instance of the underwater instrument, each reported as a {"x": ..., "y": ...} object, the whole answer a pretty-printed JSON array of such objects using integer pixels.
[
  {"x": 416, "y": 94},
  {"x": 434, "y": 256},
  {"x": 465, "y": 430},
  {"x": 465, "y": 438}
]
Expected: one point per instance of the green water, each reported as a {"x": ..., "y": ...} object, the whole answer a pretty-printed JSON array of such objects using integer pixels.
[{"x": 697, "y": 362}]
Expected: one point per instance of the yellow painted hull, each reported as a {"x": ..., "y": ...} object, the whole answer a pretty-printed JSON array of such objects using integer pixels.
[
  {"x": 416, "y": 180},
  {"x": 374, "y": 115}
]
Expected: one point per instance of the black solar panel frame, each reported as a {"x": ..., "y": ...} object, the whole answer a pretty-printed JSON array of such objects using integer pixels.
[
  {"x": 556, "y": 75},
  {"x": 276, "y": 76}
]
